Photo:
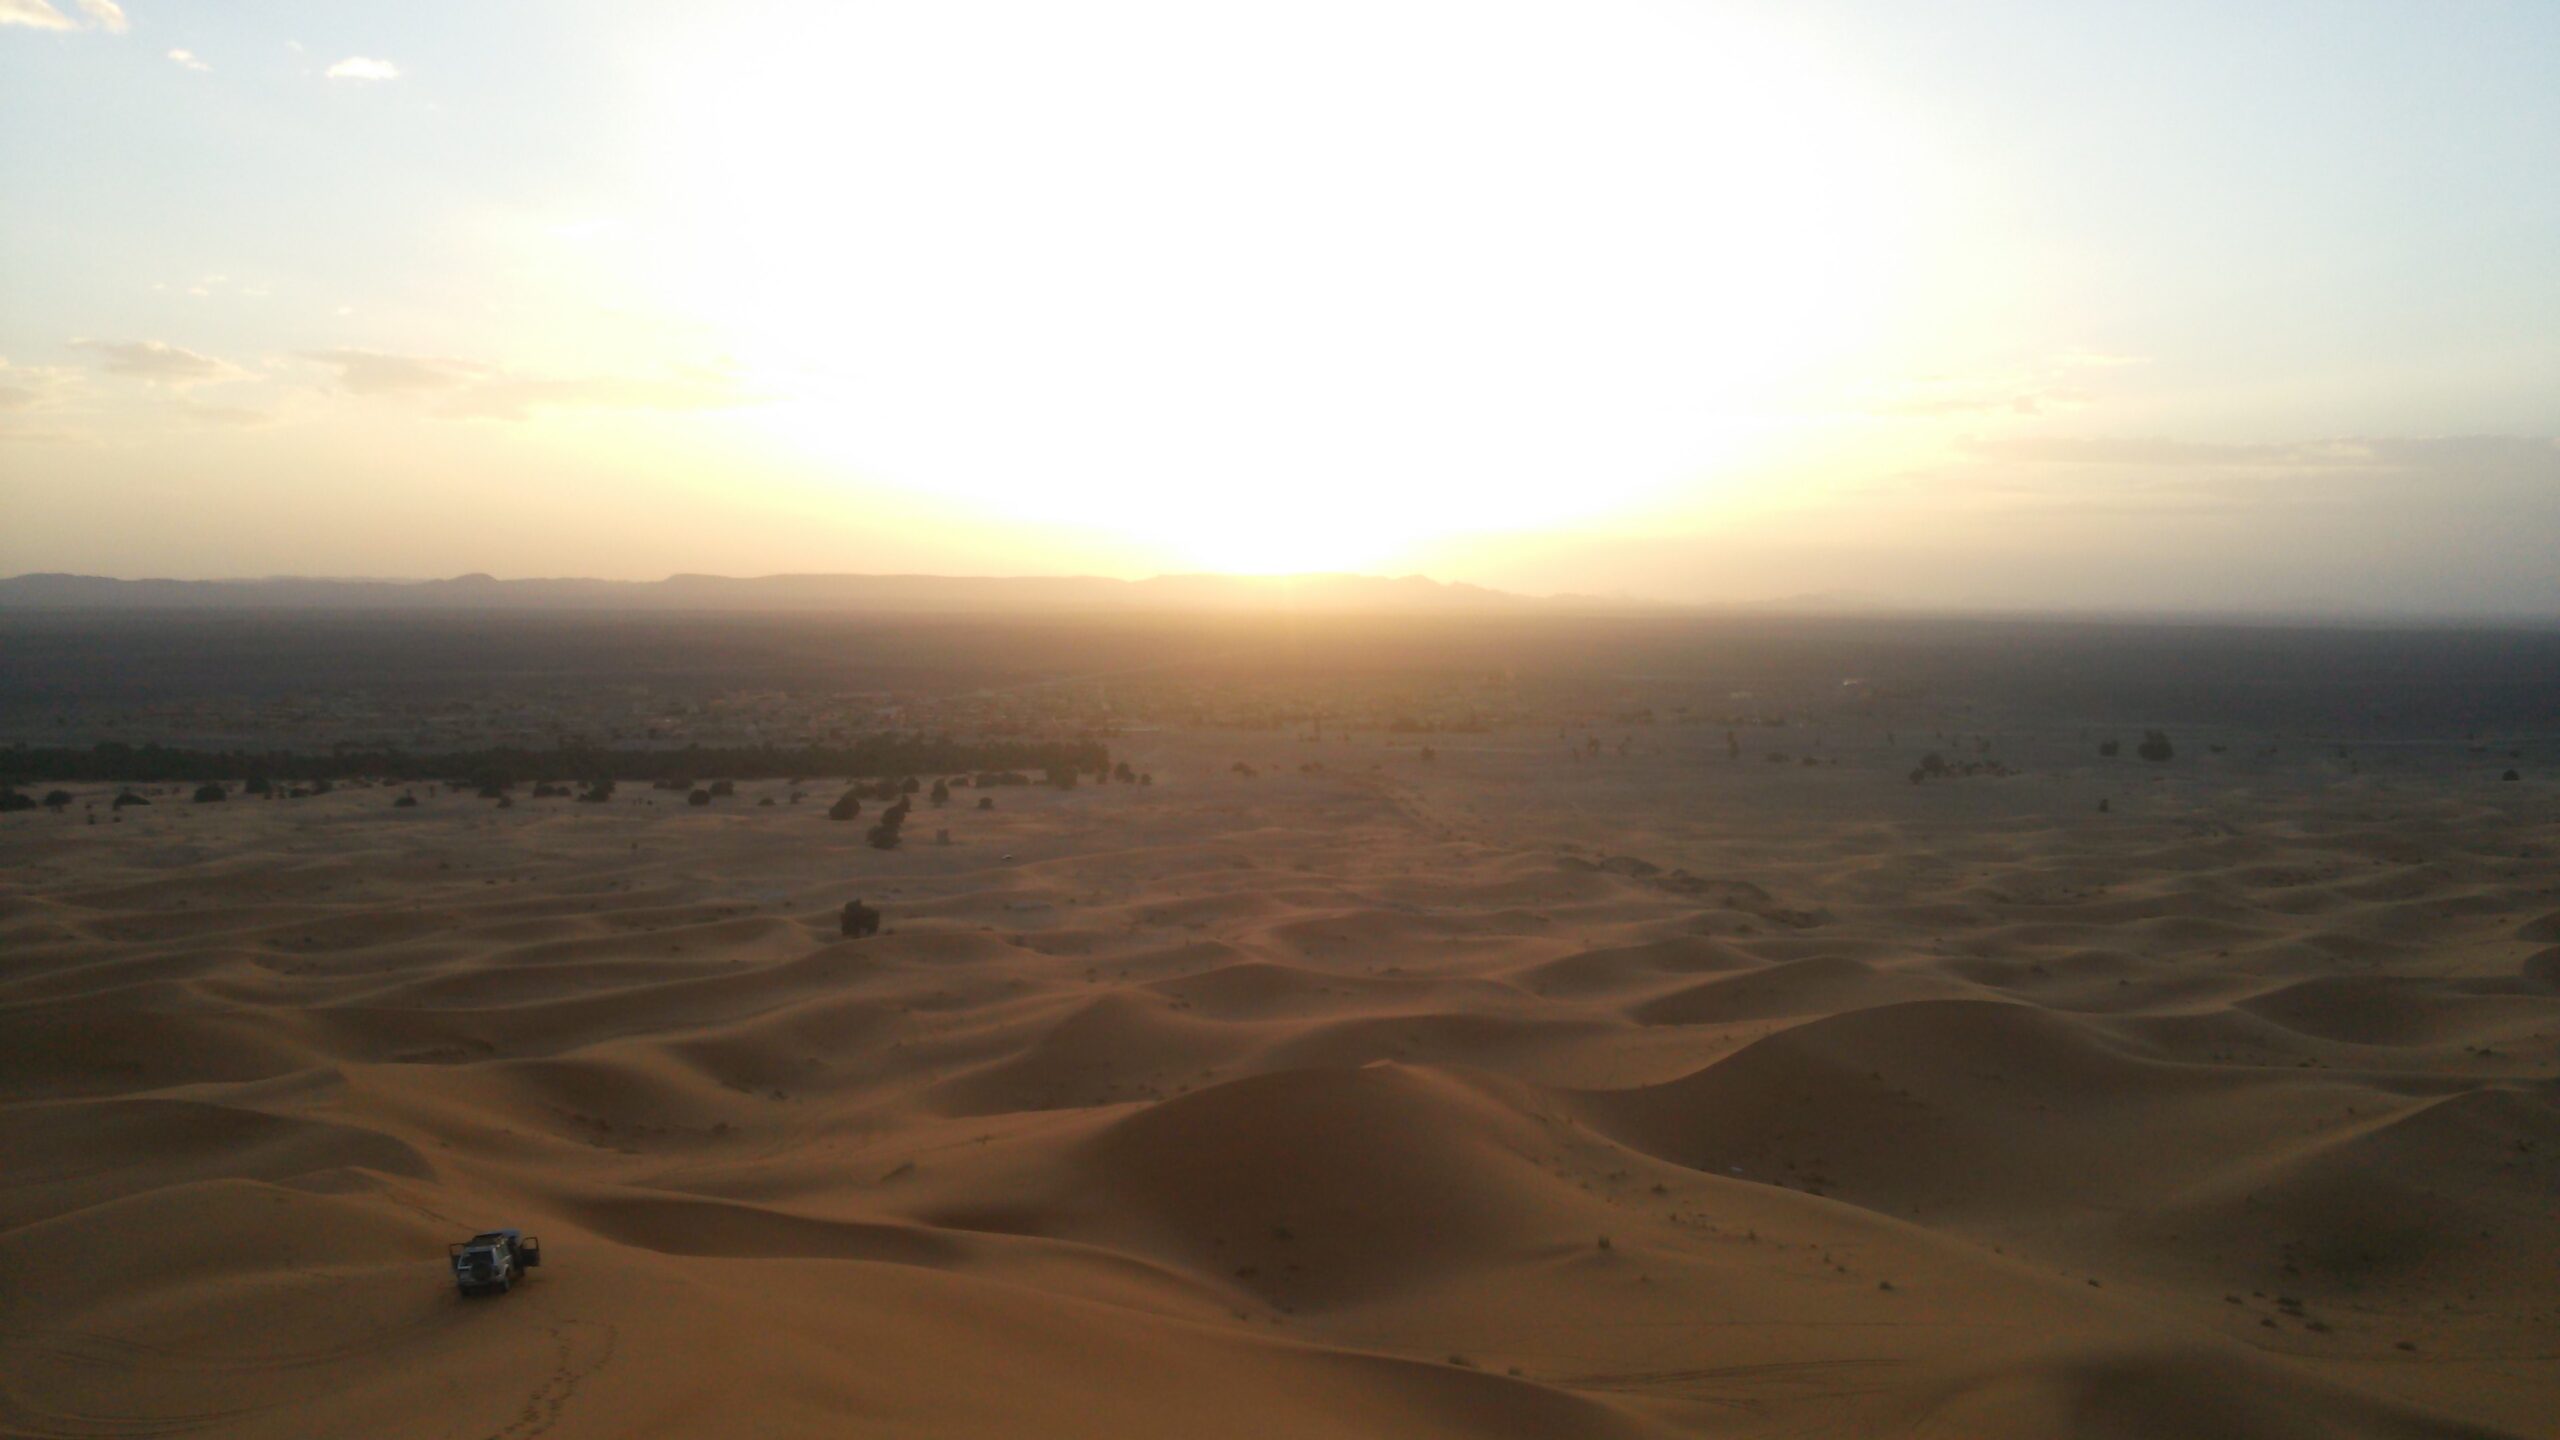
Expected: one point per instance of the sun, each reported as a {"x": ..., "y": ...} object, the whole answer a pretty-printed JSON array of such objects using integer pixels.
[{"x": 1272, "y": 289}]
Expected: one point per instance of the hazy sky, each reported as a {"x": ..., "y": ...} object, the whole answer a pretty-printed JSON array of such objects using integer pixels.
[{"x": 2152, "y": 305}]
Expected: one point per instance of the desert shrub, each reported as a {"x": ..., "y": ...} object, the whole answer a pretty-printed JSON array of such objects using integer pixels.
[
  {"x": 2109, "y": 748},
  {"x": 723, "y": 789},
  {"x": 1933, "y": 764},
  {"x": 941, "y": 794},
  {"x": 883, "y": 836},
  {"x": 258, "y": 785},
  {"x": 847, "y": 806},
  {"x": 58, "y": 800},
  {"x": 2155, "y": 746},
  {"x": 1146, "y": 777},
  {"x": 2509, "y": 776},
  {"x": 1062, "y": 777},
  {"x": 1430, "y": 754},
  {"x": 127, "y": 798},
  {"x": 698, "y": 797},
  {"x": 858, "y": 920},
  {"x": 1122, "y": 773},
  {"x": 598, "y": 792},
  {"x": 12, "y": 798},
  {"x": 986, "y": 802},
  {"x": 405, "y": 802},
  {"x": 909, "y": 786},
  {"x": 766, "y": 800},
  {"x": 211, "y": 794}
]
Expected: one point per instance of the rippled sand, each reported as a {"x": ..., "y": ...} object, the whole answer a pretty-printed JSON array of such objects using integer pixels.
[{"x": 1493, "y": 1095}]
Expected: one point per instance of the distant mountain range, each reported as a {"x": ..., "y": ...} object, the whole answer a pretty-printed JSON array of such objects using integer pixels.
[{"x": 899, "y": 594}]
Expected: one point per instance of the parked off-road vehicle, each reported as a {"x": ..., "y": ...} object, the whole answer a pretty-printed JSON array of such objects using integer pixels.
[{"x": 492, "y": 1262}]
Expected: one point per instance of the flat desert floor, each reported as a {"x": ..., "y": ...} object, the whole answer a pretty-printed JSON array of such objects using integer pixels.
[{"x": 1490, "y": 1095}]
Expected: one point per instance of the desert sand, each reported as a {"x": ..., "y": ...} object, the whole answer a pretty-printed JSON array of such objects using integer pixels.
[{"x": 1490, "y": 1095}]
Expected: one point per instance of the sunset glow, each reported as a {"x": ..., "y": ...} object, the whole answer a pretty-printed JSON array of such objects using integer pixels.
[{"x": 1701, "y": 302}]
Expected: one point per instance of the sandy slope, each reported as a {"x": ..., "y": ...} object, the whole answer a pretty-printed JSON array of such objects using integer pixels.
[{"x": 1393, "y": 1100}]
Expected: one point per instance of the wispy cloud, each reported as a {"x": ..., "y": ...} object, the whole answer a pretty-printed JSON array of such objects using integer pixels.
[
  {"x": 157, "y": 361},
  {"x": 2058, "y": 383},
  {"x": 2156, "y": 452},
  {"x": 469, "y": 390},
  {"x": 358, "y": 67},
  {"x": 2464, "y": 452},
  {"x": 108, "y": 14},
  {"x": 233, "y": 417},
  {"x": 520, "y": 399},
  {"x": 188, "y": 59},
  {"x": 31, "y": 399},
  {"x": 25, "y": 388},
  {"x": 374, "y": 372},
  {"x": 35, "y": 15}
]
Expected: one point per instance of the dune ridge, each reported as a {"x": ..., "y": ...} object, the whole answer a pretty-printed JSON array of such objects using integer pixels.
[{"x": 1459, "y": 1099}]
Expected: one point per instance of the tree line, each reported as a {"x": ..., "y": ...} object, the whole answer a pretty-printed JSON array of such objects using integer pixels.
[{"x": 507, "y": 765}]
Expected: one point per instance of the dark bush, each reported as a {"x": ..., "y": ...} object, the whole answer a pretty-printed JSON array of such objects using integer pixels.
[
  {"x": 883, "y": 836},
  {"x": 986, "y": 802},
  {"x": 858, "y": 920},
  {"x": 698, "y": 797},
  {"x": 57, "y": 800},
  {"x": 211, "y": 794},
  {"x": 723, "y": 789},
  {"x": 847, "y": 806},
  {"x": 941, "y": 794},
  {"x": 14, "y": 799},
  {"x": 405, "y": 802},
  {"x": 127, "y": 798},
  {"x": 2510, "y": 776},
  {"x": 2155, "y": 746},
  {"x": 259, "y": 785},
  {"x": 2109, "y": 748}
]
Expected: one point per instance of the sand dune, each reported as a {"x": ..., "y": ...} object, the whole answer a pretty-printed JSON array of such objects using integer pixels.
[{"x": 1471, "y": 1098}]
